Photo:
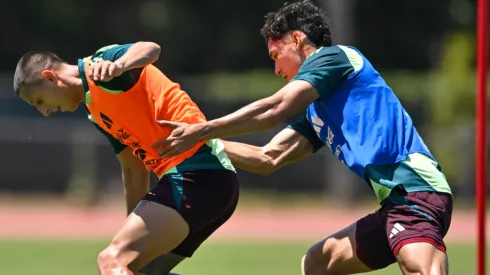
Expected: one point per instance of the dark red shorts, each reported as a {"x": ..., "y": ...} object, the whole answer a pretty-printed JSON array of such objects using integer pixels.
[
  {"x": 419, "y": 217},
  {"x": 206, "y": 199}
]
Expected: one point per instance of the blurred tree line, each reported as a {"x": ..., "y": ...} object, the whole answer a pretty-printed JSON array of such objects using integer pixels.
[
  {"x": 425, "y": 50},
  {"x": 218, "y": 35}
]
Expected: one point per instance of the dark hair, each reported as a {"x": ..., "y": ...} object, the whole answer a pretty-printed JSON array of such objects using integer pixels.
[
  {"x": 30, "y": 66},
  {"x": 299, "y": 16}
]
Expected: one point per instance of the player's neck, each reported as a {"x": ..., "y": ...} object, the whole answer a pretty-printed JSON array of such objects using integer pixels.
[
  {"x": 308, "y": 50},
  {"x": 70, "y": 75}
]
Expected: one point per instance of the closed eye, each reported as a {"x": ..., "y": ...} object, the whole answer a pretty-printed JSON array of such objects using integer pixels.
[{"x": 273, "y": 56}]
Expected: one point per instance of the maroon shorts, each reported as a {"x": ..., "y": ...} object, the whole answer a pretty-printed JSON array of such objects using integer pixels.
[
  {"x": 206, "y": 199},
  {"x": 415, "y": 217}
]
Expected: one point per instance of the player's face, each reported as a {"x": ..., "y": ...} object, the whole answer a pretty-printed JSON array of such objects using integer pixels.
[
  {"x": 286, "y": 56},
  {"x": 49, "y": 96}
]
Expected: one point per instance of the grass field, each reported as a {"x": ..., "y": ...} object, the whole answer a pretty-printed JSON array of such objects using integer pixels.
[{"x": 79, "y": 258}]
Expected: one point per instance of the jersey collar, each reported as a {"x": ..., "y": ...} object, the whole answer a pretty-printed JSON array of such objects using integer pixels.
[
  {"x": 83, "y": 76},
  {"x": 317, "y": 50}
]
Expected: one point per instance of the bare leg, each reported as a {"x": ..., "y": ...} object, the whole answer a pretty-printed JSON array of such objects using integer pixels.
[
  {"x": 422, "y": 259},
  {"x": 334, "y": 255},
  {"x": 150, "y": 231}
]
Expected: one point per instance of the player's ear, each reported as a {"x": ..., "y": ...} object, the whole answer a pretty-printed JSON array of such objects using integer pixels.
[
  {"x": 49, "y": 75},
  {"x": 298, "y": 39}
]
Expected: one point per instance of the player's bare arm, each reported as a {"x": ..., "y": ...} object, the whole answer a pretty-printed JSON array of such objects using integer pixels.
[
  {"x": 255, "y": 117},
  {"x": 138, "y": 55},
  {"x": 136, "y": 179},
  {"x": 286, "y": 147}
]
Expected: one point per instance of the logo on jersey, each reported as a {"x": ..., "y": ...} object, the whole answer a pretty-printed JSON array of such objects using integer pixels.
[
  {"x": 318, "y": 124},
  {"x": 122, "y": 135},
  {"x": 140, "y": 153},
  {"x": 106, "y": 120},
  {"x": 143, "y": 156},
  {"x": 135, "y": 144}
]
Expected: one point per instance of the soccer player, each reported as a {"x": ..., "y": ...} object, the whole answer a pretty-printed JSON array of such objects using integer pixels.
[
  {"x": 350, "y": 109},
  {"x": 125, "y": 95}
]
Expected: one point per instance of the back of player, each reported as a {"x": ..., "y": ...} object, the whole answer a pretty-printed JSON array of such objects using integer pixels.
[{"x": 198, "y": 190}]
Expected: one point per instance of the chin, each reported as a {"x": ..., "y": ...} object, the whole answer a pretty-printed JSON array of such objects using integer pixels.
[{"x": 72, "y": 108}]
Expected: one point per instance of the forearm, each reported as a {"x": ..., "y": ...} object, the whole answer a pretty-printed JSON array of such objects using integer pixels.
[
  {"x": 248, "y": 157},
  {"x": 136, "y": 185},
  {"x": 139, "y": 55},
  {"x": 255, "y": 117},
  {"x": 286, "y": 147},
  {"x": 262, "y": 114}
]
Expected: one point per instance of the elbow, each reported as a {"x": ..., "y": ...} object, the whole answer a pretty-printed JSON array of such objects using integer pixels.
[
  {"x": 153, "y": 50},
  {"x": 266, "y": 168}
]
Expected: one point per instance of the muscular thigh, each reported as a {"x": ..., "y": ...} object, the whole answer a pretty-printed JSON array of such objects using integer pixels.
[
  {"x": 338, "y": 254},
  {"x": 205, "y": 199},
  {"x": 176, "y": 216},
  {"x": 425, "y": 217},
  {"x": 417, "y": 230},
  {"x": 373, "y": 247},
  {"x": 150, "y": 231}
]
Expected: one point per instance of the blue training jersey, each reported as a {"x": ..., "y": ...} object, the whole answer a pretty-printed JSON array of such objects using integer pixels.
[{"x": 361, "y": 121}]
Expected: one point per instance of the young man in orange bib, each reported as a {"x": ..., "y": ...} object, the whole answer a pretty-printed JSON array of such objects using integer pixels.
[{"x": 125, "y": 96}]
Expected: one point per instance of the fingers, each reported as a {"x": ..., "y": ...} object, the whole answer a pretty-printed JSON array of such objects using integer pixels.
[
  {"x": 94, "y": 71},
  {"x": 167, "y": 123},
  {"x": 160, "y": 143},
  {"x": 102, "y": 71},
  {"x": 172, "y": 149},
  {"x": 112, "y": 70},
  {"x": 164, "y": 142},
  {"x": 165, "y": 151}
]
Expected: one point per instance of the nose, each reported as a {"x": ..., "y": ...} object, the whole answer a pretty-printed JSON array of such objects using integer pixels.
[
  {"x": 44, "y": 111},
  {"x": 277, "y": 70}
]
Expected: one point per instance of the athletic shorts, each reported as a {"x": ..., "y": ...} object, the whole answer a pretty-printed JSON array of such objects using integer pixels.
[
  {"x": 206, "y": 199},
  {"x": 422, "y": 217}
]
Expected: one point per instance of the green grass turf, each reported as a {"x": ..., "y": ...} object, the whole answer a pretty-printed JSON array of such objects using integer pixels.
[{"x": 79, "y": 258}]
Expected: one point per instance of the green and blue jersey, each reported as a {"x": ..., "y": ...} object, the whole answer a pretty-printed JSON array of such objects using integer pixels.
[{"x": 362, "y": 122}]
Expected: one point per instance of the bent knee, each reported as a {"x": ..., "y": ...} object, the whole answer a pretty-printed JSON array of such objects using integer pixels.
[
  {"x": 107, "y": 257},
  {"x": 422, "y": 258},
  {"x": 324, "y": 258},
  {"x": 114, "y": 256},
  {"x": 423, "y": 268}
]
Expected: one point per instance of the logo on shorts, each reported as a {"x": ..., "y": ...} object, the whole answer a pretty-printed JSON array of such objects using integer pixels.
[{"x": 397, "y": 228}]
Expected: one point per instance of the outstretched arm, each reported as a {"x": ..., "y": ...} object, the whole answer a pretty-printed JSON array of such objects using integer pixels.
[
  {"x": 317, "y": 77},
  {"x": 286, "y": 147},
  {"x": 258, "y": 116},
  {"x": 262, "y": 114}
]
